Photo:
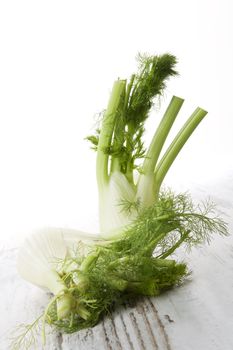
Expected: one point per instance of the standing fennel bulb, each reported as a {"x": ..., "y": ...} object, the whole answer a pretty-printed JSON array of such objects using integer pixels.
[
  {"x": 140, "y": 225},
  {"x": 119, "y": 143}
]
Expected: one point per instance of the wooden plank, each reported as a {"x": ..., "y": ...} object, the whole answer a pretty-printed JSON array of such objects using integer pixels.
[
  {"x": 136, "y": 327},
  {"x": 20, "y": 303}
]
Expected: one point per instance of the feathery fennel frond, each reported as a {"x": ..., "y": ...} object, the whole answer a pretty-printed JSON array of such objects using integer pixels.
[
  {"x": 150, "y": 81},
  {"x": 173, "y": 219},
  {"x": 129, "y": 206},
  {"x": 25, "y": 335}
]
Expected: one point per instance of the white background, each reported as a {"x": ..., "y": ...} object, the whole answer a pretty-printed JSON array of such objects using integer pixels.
[{"x": 58, "y": 60}]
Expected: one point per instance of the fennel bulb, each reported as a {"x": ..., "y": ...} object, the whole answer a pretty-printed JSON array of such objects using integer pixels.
[{"x": 42, "y": 254}]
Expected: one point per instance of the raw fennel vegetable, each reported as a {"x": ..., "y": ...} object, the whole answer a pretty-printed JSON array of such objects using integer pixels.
[{"x": 141, "y": 226}]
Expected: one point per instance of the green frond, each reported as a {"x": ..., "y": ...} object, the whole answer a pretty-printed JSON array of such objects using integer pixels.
[
  {"x": 154, "y": 71},
  {"x": 173, "y": 220},
  {"x": 25, "y": 335},
  {"x": 129, "y": 206},
  {"x": 94, "y": 140}
]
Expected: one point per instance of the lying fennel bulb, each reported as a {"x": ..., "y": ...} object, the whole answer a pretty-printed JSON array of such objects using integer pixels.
[
  {"x": 39, "y": 260},
  {"x": 141, "y": 225}
]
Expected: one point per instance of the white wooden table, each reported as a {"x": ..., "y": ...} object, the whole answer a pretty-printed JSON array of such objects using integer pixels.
[{"x": 196, "y": 316}]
